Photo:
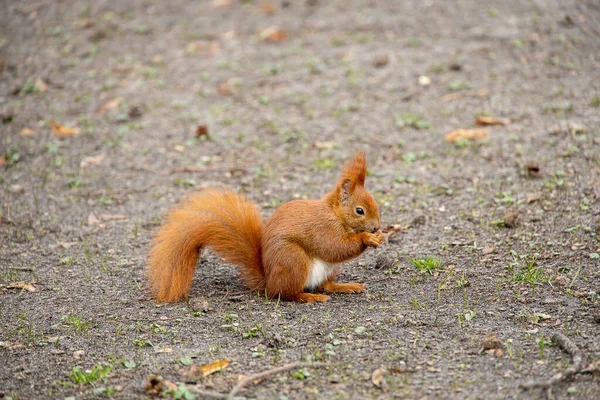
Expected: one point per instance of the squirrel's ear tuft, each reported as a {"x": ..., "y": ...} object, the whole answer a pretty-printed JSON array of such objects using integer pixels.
[
  {"x": 356, "y": 169},
  {"x": 353, "y": 175}
]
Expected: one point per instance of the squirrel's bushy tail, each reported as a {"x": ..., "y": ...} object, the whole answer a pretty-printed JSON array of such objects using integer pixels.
[{"x": 224, "y": 221}]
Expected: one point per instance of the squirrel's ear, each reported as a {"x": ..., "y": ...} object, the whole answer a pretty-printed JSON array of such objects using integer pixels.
[
  {"x": 356, "y": 169},
  {"x": 346, "y": 189},
  {"x": 353, "y": 175}
]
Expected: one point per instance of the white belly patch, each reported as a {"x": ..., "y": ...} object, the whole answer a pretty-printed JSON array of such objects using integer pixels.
[{"x": 319, "y": 272}]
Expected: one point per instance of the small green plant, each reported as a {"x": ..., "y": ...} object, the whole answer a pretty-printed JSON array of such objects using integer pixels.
[
  {"x": 98, "y": 371},
  {"x": 182, "y": 392},
  {"x": 541, "y": 342},
  {"x": 301, "y": 374},
  {"x": 142, "y": 342},
  {"x": 77, "y": 324},
  {"x": 427, "y": 264},
  {"x": 411, "y": 121},
  {"x": 529, "y": 273}
]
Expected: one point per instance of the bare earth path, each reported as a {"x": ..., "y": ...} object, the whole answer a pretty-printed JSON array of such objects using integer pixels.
[{"x": 287, "y": 91}]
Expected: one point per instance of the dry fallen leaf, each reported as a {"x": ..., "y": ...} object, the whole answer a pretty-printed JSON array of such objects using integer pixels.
[
  {"x": 466, "y": 134},
  {"x": 110, "y": 217},
  {"x": 91, "y": 160},
  {"x": 511, "y": 219},
  {"x": 378, "y": 379},
  {"x": 220, "y": 3},
  {"x": 451, "y": 97},
  {"x": 213, "y": 367},
  {"x": 40, "y": 85},
  {"x": 2, "y": 161},
  {"x": 63, "y": 131},
  {"x": 268, "y": 8},
  {"x": 483, "y": 120},
  {"x": 195, "y": 47},
  {"x": 223, "y": 89},
  {"x": 530, "y": 198},
  {"x": 391, "y": 230},
  {"x": 92, "y": 220},
  {"x": 27, "y": 132},
  {"x": 154, "y": 385},
  {"x": 22, "y": 286},
  {"x": 109, "y": 105},
  {"x": 202, "y": 130},
  {"x": 491, "y": 342},
  {"x": 273, "y": 34},
  {"x": 163, "y": 350},
  {"x": 533, "y": 170},
  {"x": 324, "y": 145},
  {"x": 11, "y": 345},
  {"x": 16, "y": 188}
]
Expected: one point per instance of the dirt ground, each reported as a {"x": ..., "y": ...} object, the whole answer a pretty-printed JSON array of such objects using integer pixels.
[{"x": 104, "y": 107}]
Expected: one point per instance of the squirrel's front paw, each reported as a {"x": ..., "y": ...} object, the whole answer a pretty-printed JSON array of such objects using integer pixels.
[{"x": 372, "y": 239}]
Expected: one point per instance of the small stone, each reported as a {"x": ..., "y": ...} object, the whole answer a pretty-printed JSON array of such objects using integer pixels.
[
  {"x": 79, "y": 354},
  {"x": 381, "y": 60},
  {"x": 418, "y": 220},
  {"x": 199, "y": 304},
  {"x": 17, "y": 188},
  {"x": 560, "y": 280},
  {"x": 487, "y": 250},
  {"x": 424, "y": 80}
]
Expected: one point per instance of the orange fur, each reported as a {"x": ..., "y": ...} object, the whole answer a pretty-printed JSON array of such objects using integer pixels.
[{"x": 279, "y": 258}]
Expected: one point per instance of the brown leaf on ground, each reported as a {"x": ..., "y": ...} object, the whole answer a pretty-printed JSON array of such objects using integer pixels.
[
  {"x": 154, "y": 385},
  {"x": 11, "y": 345},
  {"x": 533, "y": 170},
  {"x": 267, "y": 8},
  {"x": 21, "y": 285},
  {"x": 92, "y": 220},
  {"x": 113, "y": 217},
  {"x": 378, "y": 379},
  {"x": 451, "y": 97},
  {"x": 163, "y": 350},
  {"x": 202, "y": 130},
  {"x": 483, "y": 120},
  {"x": 511, "y": 219},
  {"x": 63, "y": 131},
  {"x": 466, "y": 134},
  {"x": 2, "y": 161},
  {"x": 109, "y": 105},
  {"x": 491, "y": 342},
  {"x": 391, "y": 230},
  {"x": 213, "y": 367},
  {"x": 221, "y": 3},
  {"x": 195, "y": 47},
  {"x": 40, "y": 85},
  {"x": 223, "y": 89},
  {"x": 273, "y": 34},
  {"x": 530, "y": 198},
  {"x": 27, "y": 132},
  {"x": 135, "y": 112},
  {"x": 91, "y": 160}
]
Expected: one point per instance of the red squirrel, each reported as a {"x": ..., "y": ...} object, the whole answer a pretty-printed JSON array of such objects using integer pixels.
[{"x": 299, "y": 249}]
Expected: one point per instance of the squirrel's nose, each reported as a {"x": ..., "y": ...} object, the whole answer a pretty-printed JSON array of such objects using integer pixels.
[{"x": 375, "y": 229}]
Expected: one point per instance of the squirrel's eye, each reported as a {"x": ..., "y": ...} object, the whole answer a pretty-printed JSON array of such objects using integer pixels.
[{"x": 360, "y": 211}]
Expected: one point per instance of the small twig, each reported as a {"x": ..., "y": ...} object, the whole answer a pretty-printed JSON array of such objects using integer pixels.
[
  {"x": 567, "y": 345},
  {"x": 273, "y": 371}
]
